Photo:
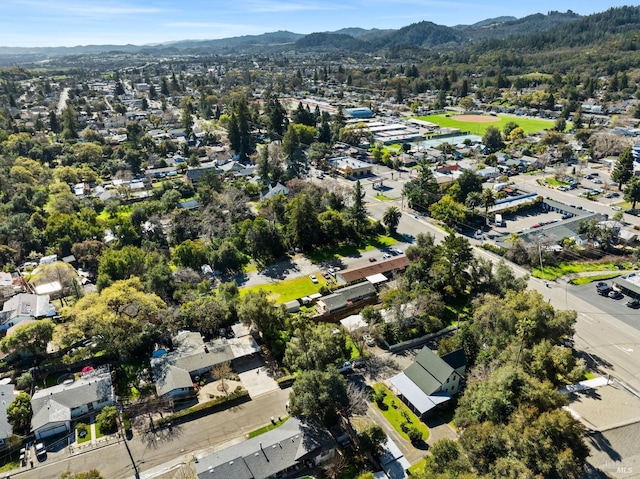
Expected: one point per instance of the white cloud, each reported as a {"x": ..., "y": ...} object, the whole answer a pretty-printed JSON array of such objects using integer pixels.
[
  {"x": 83, "y": 9},
  {"x": 266, "y": 6}
]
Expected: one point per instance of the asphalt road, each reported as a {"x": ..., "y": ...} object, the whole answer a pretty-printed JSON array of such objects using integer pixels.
[
  {"x": 167, "y": 448},
  {"x": 604, "y": 332}
]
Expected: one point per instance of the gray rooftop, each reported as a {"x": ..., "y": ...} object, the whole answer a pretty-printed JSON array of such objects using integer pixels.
[
  {"x": 8, "y": 394},
  {"x": 268, "y": 454},
  {"x": 55, "y": 403}
]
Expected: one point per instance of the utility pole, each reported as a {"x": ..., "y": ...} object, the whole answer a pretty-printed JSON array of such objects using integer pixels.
[{"x": 124, "y": 439}]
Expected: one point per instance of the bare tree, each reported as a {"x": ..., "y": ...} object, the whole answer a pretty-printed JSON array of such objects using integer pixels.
[
  {"x": 358, "y": 400},
  {"x": 185, "y": 472},
  {"x": 222, "y": 372},
  {"x": 337, "y": 466}
]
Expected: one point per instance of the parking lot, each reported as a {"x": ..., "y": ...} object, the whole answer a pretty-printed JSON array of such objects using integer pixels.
[
  {"x": 520, "y": 222},
  {"x": 603, "y": 304}
]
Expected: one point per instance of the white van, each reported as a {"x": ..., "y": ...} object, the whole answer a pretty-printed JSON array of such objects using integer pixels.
[{"x": 499, "y": 221}]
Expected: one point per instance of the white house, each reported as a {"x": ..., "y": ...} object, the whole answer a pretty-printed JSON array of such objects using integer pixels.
[{"x": 54, "y": 408}]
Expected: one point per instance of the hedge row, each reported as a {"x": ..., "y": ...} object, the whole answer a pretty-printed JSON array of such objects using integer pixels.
[
  {"x": 286, "y": 381},
  {"x": 206, "y": 408}
]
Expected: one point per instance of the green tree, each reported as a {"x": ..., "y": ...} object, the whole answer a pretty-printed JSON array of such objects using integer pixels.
[
  {"x": 315, "y": 347},
  {"x": 107, "y": 420},
  {"x": 357, "y": 211},
  {"x": 623, "y": 169},
  {"x": 372, "y": 439},
  {"x": 69, "y": 123},
  {"x": 449, "y": 211},
  {"x": 120, "y": 319},
  {"x": 632, "y": 190},
  {"x": 30, "y": 337},
  {"x": 19, "y": 412},
  {"x": 256, "y": 309},
  {"x": 391, "y": 218},
  {"x": 467, "y": 103},
  {"x": 186, "y": 119},
  {"x": 319, "y": 396},
  {"x": 206, "y": 314},
  {"x": 303, "y": 227},
  {"x": 468, "y": 182},
  {"x": 422, "y": 191},
  {"x": 492, "y": 139},
  {"x": 488, "y": 200}
]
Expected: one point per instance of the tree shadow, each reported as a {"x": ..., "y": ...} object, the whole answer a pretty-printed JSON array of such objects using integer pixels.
[
  {"x": 421, "y": 444},
  {"x": 598, "y": 441}
]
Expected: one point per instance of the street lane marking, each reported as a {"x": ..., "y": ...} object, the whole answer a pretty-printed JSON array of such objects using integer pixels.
[
  {"x": 588, "y": 319},
  {"x": 624, "y": 350}
]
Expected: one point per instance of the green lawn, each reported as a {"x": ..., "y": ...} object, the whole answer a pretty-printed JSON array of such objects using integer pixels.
[
  {"x": 591, "y": 279},
  {"x": 397, "y": 414},
  {"x": 87, "y": 437},
  {"x": 283, "y": 291},
  {"x": 529, "y": 125},
  {"x": 417, "y": 469},
  {"x": 553, "y": 272},
  {"x": 8, "y": 466},
  {"x": 267, "y": 428},
  {"x": 382, "y": 197},
  {"x": 123, "y": 211},
  {"x": 328, "y": 254},
  {"x": 127, "y": 380},
  {"x": 556, "y": 183}
]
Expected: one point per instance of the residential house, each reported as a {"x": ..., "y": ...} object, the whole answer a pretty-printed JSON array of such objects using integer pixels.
[
  {"x": 388, "y": 267},
  {"x": 25, "y": 306},
  {"x": 274, "y": 190},
  {"x": 343, "y": 297},
  {"x": 430, "y": 381},
  {"x": 174, "y": 371},
  {"x": 283, "y": 452},
  {"x": 193, "y": 175},
  {"x": 7, "y": 394},
  {"x": 54, "y": 408}
]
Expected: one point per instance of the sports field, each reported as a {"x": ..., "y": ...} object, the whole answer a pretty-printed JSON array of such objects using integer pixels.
[{"x": 477, "y": 124}]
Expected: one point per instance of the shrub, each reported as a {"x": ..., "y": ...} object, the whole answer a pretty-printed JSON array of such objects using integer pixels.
[
  {"x": 378, "y": 397},
  {"x": 82, "y": 428},
  {"x": 414, "y": 434},
  {"x": 24, "y": 381}
]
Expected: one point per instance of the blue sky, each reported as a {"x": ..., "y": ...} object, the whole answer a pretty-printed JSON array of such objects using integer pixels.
[{"x": 81, "y": 22}]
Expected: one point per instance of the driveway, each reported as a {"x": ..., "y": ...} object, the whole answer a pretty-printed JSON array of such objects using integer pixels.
[{"x": 255, "y": 376}]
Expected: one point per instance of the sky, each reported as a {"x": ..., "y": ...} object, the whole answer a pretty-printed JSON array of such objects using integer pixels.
[{"x": 52, "y": 23}]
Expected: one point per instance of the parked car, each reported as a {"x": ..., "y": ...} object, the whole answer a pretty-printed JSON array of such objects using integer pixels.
[
  {"x": 633, "y": 303},
  {"x": 372, "y": 260},
  {"x": 345, "y": 367},
  {"x": 326, "y": 275},
  {"x": 41, "y": 451},
  {"x": 479, "y": 236},
  {"x": 603, "y": 288},
  {"x": 386, "y": 256},
  {"x": 368, "y": 340},
  {"x": 613, "y": 294},
  {"x": 313, "y": 278}
]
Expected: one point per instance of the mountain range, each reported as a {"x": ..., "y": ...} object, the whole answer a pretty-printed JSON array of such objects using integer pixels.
[{"x": 422, "y": 34}]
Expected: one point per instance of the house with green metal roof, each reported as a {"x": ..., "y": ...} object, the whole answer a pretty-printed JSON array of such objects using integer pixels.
[{"x": 430, "y": 381}]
